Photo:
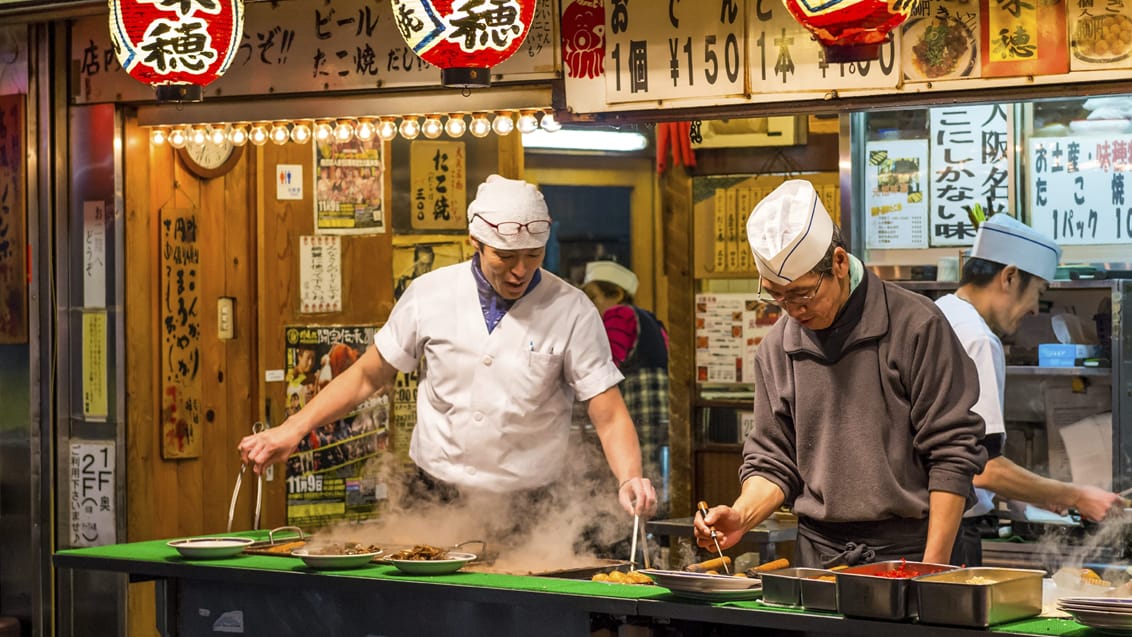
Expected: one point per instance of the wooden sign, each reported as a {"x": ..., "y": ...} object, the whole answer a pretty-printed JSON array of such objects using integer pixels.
[
  {"x": 180, "y": 334},
  {"x": 13, "y": 221},
  {"x": 439, "y": 186}
]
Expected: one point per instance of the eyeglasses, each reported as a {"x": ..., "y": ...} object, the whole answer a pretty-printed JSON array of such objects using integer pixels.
[
  {"x": 793, "y": 300},
  {"x": 511, "y": 228}
]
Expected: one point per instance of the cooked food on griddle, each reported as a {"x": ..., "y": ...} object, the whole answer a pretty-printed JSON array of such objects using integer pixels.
[
  {"x": 420, "y": 552},
  {"x": 344, "y": 548},
  {"x": 620, "y": 577}
]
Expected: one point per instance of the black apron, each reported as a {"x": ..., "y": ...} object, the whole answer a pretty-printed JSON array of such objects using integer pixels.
[{"x": 829, "y": 544}]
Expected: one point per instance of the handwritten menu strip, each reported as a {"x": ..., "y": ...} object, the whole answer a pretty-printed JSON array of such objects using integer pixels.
[
  {"x": 320, "y": 274},
  {"x": 1078, "y": 194},
  {"x": 439, "y": 185},
  {"x": 13, "y": 220},
  {"x": 180, "y": 334},
  {"x": 970, "y": 163}
]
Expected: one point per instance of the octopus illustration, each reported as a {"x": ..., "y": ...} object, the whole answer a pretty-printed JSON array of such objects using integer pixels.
[{"x": 583, "y": 38}]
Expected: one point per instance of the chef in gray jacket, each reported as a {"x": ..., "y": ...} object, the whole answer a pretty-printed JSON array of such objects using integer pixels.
[{"x": 863, "y": 396}]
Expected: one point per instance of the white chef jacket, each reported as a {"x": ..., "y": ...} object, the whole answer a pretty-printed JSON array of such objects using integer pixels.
[
  {"x": 494, "y": 410},
  {"x": 985, "y": 348}
]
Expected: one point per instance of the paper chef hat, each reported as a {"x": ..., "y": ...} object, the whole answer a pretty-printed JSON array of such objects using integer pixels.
[
  {"x": 789, "y": 232},
  {"x": 1003, "y": 239},
  {"x": 501, "y": 200},
  {"x": 612, "y": 272}
]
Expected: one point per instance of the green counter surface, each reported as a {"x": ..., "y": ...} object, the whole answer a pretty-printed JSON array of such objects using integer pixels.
[{"x": 155, "y": 559}]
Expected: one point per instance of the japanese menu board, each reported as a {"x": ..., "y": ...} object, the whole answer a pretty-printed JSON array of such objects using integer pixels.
[
  {"x": 333, "y": 475},
  {"x": 729, "y": 327},
  {"x": 439, "y": 185},
  {"x": 895, "y": 201},
  {"x": 180, "y": 334},
  {"x": 1078, "y": 188}
]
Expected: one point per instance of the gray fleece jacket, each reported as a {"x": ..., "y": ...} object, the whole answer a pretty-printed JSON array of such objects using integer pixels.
[{"x": 864, "y": 433}]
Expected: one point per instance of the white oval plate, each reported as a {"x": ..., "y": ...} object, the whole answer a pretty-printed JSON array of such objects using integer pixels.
[
  {"x": 210, "y": 548},
  {"x": 453, "y": 563},
  {"x": 318, "y": 561}
]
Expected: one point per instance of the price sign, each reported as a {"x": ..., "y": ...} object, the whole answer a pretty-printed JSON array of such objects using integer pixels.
[{"x": 1078, "y": 188}]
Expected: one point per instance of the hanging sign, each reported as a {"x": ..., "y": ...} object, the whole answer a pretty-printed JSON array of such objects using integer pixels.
[
  {"x": 465, "y": 38},
  {"x": 439, "y": 185},
  {"x": 850, "y": 30},
  {"x": 970, "y": 163},
  {"x": 176, "y": 46},
  {"x": 181, "y": 389},
  {"x": 92, "y": 494}
]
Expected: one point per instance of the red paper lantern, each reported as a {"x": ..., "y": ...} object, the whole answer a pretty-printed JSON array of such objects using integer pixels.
[
  {"x": 850, "y": 30},
  {"x": 176, "y": 46},
  {"x": 465, "y": 38}
]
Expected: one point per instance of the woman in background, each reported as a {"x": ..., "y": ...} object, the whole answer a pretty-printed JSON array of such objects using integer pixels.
[{"x": 639, "y": 344}]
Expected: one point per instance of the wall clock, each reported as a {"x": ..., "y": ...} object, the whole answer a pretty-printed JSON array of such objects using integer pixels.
[{"x": 209, "y": 160}]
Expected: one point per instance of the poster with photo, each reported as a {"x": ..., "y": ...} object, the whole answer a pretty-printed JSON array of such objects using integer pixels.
[
  {"x": 415, "y": 255},
  {"x": 334, "y": 473},
  {"x": 349, "y": 187},
  {"x": 729, "y": 328},
  {"x": 896, "y": 203}
]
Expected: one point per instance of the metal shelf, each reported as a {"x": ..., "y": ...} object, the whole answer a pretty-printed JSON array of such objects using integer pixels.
[{"x": 1034, "y": 370}]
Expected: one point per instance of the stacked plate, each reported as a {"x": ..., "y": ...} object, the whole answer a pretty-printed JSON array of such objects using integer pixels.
[
  {"x": 712, "y": 588},
  {"x": 1111, "y": 615}
]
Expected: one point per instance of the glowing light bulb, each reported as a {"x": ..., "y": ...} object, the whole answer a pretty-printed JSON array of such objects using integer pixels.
[
  {"x": 549, "y": 124},
  {"x": 238, "y": 135},
  {"x": 301, "y": 132},
  {"x": 455, "y": 126},
  {"x": 178, "y": 138},
  {"x": 322, "y": 130},
  {"x": 217, "y": 134},
  {"x": 527, "y": 122},
  {"x": 503, "y": 124},
  {"x": 158, "y": 136},
  {"x": 479, "y": 127},
  {"x": 432, "y": 128},
  {"x": 258, "y": 134},
  {"x": 198, "y": 136},
  {"x": 279, "y": 133},
  {"x": 387, "y": 128},
  {"x": 366, "y": 130},
  {"x": 343, "y": 131},
  {"x": 410, "y": 127}
]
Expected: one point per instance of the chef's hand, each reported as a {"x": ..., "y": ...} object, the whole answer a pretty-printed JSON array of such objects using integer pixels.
[
  {"x": 728, "y": 525},
  {"x": 269, "y": 447},
  {"x": 637, "y": 496},
  {"x": 1095, "y": 503}
]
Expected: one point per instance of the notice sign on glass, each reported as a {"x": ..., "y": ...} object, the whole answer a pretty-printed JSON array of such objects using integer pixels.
[
  {"x": 896, "y": 206},
  {"x": 1078, "y": 188},
  {"x": 970, "y": 164}
]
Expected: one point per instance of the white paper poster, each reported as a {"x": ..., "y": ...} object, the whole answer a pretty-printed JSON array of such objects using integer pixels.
[
  {"x": 729, "y": 328},
  {"x": 92, "y": 494},
  {"x": 970, "y": 164},
  {"x": 1078, "y": 191},
  {"x": 94, "y": 254},
  {"x": 896, "y": 206},
  {"x": 320, "y": 274}
]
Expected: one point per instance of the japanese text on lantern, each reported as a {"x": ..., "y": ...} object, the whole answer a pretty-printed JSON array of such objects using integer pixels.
[
  {"x": 180, "y": 335},
  {"x": 438, "y": 186}
]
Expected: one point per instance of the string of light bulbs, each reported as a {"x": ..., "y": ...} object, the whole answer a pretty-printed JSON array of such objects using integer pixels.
[{"x": 300, "y": 131}]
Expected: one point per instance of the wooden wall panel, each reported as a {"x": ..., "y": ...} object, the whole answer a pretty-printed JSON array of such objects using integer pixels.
[{"x": 676, "y": 213}]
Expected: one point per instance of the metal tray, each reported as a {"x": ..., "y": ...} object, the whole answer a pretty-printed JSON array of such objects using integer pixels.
[
  {"x": 862, "y": 592},
  {"x": 819, "y": 594},
  {"x": 784, "y": 586},
  {"x": 998, "y": 595}
]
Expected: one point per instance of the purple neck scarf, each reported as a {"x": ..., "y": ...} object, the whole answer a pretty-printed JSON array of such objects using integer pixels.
[{"x": 493, "y": 305}]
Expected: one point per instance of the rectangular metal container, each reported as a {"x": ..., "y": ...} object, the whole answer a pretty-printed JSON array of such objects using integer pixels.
[
  {"x": 862, "y": 592},
  {"x": 819, "y": 594},
  {"x": 979, "y": 597},
  {"x": 784, "y": 586}
]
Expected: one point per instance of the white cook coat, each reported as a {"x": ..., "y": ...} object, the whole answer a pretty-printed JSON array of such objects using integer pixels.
[
  {"x": 985, "y": 348},
  {"x": 494, "y": 410}
]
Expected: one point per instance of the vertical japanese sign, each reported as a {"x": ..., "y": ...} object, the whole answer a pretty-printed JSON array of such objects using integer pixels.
[
  {"x": 330, "y": 477},
  {"x": 1023, "y": 38},
  {"x": 785, "y": 58},
  {"x": 692, "y": 49},
  {"x": 439, "y": 186},
  {"x": 94, "y": 370},
  {"x": 349, "y": 187},
  {"x": 180, "y": 334},
  {"x": 1078, "y": 189},
  {"x": 1101, "y": 34},
  {"x": 92, "y": 494},
  {"x": 94, "y": 254},
  {"x": 970, "y": 163},
  {"x": 13, "y": 217},
  {"x": 896, "y": 202},
  {"x": 320, "y": 274}
]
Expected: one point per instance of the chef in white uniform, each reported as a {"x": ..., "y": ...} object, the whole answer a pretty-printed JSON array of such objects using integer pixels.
[
  {"x": 504, "y": 349},
  {"x": 1010, "y": 267}
]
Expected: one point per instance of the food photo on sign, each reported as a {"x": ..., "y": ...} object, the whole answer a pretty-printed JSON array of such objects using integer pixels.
[{"x": 940, "y": 47}]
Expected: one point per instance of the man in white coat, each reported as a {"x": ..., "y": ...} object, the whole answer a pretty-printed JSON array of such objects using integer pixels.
[
  {"x": 504, "y": 349},
  {"x": 1010, "y": 267}
]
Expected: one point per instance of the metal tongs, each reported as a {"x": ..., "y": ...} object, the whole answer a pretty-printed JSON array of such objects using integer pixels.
[
  {"x": 637, "y": 528},
  {"x": 258, "y": 427}
]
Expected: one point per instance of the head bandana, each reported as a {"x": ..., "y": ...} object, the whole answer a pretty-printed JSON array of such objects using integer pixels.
[
  {"x": 789, "y": 232},
  {"x": 501, "y": 200},
  {"x": 1003, "y": 239},
  {"x": 611, "y": 272}
]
